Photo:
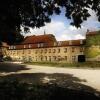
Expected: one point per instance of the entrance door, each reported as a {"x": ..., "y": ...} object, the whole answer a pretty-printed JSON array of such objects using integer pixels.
[{"x": 81, "y": 58}]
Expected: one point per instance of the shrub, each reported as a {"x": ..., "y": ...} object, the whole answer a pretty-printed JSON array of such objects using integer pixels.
[{"x": 8, "y": 58}]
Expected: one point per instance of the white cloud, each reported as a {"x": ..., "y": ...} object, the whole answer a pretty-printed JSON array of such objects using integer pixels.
[{"x": 61, "y": 28}]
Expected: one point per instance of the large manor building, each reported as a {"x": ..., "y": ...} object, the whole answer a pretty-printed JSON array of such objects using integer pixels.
[{"x": 45, "y": 48}]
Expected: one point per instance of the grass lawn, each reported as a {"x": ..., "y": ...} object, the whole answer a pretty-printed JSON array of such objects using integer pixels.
[{"x": 59, "y": 64}]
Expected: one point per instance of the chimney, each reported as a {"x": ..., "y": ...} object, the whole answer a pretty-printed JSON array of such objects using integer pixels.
[
  {"x": 87, "y": 31},
  {"x": 81, "y": 41},
  {"x": 44, "y": 32},
  {"x": 70, "y": 42}
]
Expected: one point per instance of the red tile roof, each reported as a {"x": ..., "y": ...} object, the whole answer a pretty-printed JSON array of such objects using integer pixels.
[
  {"x": 39, "y": 39},
  {"x": 92, "y": 33},
  {"x": 51, "y": 44},
  {"x": 45, "y": 41},
  {"x": 4, "y": 44},
  {"x": 72, "y": 42}
]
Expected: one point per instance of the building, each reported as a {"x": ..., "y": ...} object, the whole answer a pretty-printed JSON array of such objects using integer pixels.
[
  {"x": 45, "y": 48},
  {"x": 92, "y": 49},
  {"x": 3, "y": 50}
]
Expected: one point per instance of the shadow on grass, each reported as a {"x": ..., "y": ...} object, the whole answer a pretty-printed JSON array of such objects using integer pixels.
[
  {"x": 11, "y": 67},
  {"x": 41, "y": 86}
]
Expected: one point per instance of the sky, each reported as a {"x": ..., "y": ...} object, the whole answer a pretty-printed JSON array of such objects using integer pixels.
[{"x": 61, "y": 28}]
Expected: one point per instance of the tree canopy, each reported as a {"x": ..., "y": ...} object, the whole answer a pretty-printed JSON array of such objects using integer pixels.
[{"x": 35, "y": 13}]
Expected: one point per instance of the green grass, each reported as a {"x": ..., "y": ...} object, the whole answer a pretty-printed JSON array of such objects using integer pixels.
[
  {"x": 68, "y": 65},
  {"x": 92, "y": 53}
]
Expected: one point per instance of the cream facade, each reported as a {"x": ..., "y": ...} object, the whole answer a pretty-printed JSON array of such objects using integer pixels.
[
  {"x": 61, "y": 54},
  {"x": 53, "y": 53},
  {"x": 45, "y": 48}
]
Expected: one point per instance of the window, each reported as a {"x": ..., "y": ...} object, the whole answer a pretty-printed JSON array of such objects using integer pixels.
[
  {"x": 59, "y": 58},
  {"x": 73, "y": 49},
  {"x": 45, "y": 50},
  {"x": 42, "y": 44},
  {"x": 36, "y": 52},
  {"x": 29, "y": 51},
  {"x": 73, "y": 58},
  {"x": 23, "y": 51},
  {"x": 41, "y": 51},
  {"x": 81, "y": 41},
  {"x": 9, "y": 47},
  {"x": 14, "y": 47},
  {"x": 49, "y": 58},
  {"x": 39, "y": 45},
  {"x": 29, "y": 58},
  {"x": 36, "y": 58},
  {"x": 54, "y": 50},
  {"x": 65, "y": 50},
  {"x": 23, "y": 58},
  {"x": 29, "y": 45},
  {"x": 46, "y": 58},
  {"x": 59, "y": 43},
  {"x": 41, "y": 58},
  {"x": 24, "y": 46},
  {"x": 49, "y": 50},
  {"x": 54, "y": 58},
  {"x": 58, "y": 50},
  {"x": 17, "y": 52},
  {"x": 65, "y": 57},
  {"x": 81, "y": 49}
]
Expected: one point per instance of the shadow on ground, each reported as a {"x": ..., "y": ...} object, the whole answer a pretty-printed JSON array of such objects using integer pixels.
[
  {"x": 11, "y": 67},
  {"x": 42, "y": 86},
  {"x": 55, "y": 86}
]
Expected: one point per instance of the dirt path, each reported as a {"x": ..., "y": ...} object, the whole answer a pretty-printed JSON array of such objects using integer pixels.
[{"x": 90, "y": 77}]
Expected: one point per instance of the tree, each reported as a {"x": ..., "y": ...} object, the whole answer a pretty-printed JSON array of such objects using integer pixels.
[{"x": 34, "y": 13}]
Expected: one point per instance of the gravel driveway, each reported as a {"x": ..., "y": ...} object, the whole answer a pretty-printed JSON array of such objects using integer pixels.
[{"x": 87, "y": 77}]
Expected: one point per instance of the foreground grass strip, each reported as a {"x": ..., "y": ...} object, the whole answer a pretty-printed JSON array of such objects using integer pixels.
[{"x": 59, "y": 64}]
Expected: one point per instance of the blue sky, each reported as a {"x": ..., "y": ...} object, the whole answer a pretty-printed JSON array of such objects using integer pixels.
[{"x": 61, "y": 28}]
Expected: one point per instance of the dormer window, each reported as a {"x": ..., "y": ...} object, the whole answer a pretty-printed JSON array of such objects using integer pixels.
[
  {"x": 40, "y": 45},
  {"x": 24, "y": 46},
  {"x": 9, "y": 47},
  {"x": 59, "y": 43},
  {"x": 29, "y": 46},
  {"x": 14, "y": 47}
]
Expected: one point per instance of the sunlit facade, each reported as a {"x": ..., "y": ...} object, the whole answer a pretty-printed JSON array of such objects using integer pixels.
[{"x": 45, "y": 48}]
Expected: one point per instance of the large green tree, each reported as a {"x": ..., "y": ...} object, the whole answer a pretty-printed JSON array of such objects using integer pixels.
[{"x": 34, "y": 13}]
